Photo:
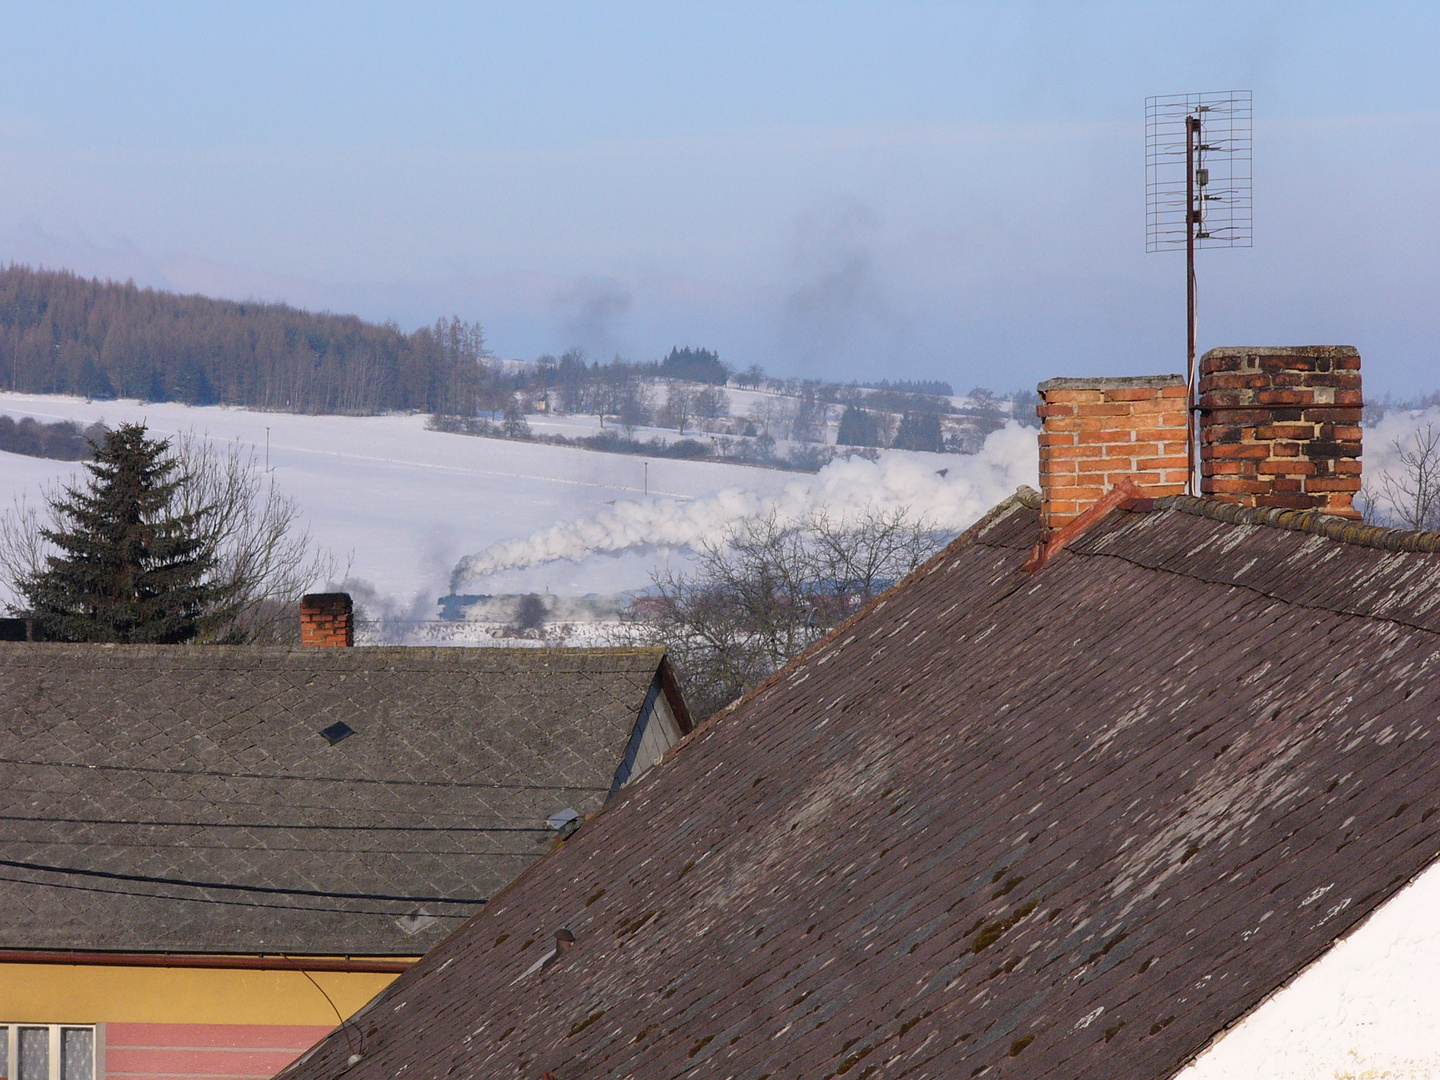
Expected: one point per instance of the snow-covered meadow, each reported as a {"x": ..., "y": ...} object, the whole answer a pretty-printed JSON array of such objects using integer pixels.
[
  {"x": 411, "y": 513},
  {"x": 401, "y": 505}
]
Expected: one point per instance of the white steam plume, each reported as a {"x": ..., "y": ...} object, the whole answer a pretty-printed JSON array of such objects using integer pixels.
[{"x": 970, "y": 486}]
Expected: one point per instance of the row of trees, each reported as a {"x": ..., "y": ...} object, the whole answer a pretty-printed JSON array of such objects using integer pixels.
[
  {"x": 610, "y": 389},
  {"x": 928, "y": 387},
  {"x": 906, "y": 415},
  {"x": 918, "y": 429},
  {"x": 61, "y": 441},
  {"x": 61, "y": 333}
]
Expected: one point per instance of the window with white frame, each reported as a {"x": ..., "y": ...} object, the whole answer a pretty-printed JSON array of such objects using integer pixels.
[{"x": 47, "y": 1052}]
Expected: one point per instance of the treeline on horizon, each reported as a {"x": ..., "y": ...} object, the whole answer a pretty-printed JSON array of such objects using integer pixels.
[
  {"x": 64, "y": 334},
  {"x": 61, "y": 333}
]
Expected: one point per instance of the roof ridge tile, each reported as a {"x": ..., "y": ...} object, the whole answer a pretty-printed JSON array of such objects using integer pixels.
[{"x": 1314, "y": 522}]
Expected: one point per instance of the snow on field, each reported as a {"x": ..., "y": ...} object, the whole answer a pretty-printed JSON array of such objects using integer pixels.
[
  {"x": 405, "y": 501},
  {"x": 402, "y": 504}
]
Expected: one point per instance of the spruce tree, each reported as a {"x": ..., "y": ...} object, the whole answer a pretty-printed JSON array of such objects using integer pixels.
[
  {"x": 919, "y": 431},
  {"x": 131, "y": 567},
  {"x": 858, "y": 428}
]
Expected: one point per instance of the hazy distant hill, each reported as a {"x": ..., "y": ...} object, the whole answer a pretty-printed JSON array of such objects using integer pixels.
[{"x": 60, "y": 333}]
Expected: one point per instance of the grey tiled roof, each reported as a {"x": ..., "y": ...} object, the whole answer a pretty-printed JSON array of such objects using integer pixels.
[
  {"x": 1063, "y": 824},
  {"x": 206, "y": 764}
]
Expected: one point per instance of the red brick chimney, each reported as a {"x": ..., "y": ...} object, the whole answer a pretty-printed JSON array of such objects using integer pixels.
[
  {"x": 327, "y": 619},
  {"x": 1280, "y": 427},
  {"x": 1094, "y": 432}
]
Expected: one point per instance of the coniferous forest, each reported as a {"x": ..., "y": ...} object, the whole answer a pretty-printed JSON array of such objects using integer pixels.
[{"x": 61, "y": 333}]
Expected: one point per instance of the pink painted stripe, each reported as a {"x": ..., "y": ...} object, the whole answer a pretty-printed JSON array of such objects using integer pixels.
[
  {"x": 221, "y": 1050},
  {"x": 212, "y": 1062},
  {"x": 295, "y": 1037},
  {"x": 205, "y": 1051}
]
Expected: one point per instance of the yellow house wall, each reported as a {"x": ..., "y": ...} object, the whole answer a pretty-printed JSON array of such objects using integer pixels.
[{"x": 88, "y": 994}]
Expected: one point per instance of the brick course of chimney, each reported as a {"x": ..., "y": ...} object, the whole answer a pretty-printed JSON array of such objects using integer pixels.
[
  {"x": 1280, "y": 427},
  {"x": 327, "y": 620},
  {"x": 1095, "y": 432}
]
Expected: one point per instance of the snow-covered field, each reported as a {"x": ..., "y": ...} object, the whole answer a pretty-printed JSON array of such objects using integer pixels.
[
  {"x": 403, "y": 508},
  {"x": 412, "y": 514},
  {"x": 402, "y": 505}
]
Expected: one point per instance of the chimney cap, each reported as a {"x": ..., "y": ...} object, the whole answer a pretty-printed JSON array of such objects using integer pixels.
[
  {"x": 1107, "y": 382},
  {"x": 324, "y": 599},
  {"x": 1331, "y": 351}
]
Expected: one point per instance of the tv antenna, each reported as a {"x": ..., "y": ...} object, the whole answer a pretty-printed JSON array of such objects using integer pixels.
[{"x": 1198, "y": 177}]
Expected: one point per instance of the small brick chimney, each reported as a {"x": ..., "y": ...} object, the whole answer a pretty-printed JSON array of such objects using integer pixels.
[
  {"x": 1094, "y": 432},
  {"x": 1280, "y": 427},
  {"x": 327, "y": 619}
]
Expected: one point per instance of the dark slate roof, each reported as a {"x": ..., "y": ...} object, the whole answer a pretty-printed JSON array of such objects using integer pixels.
[
  {"x": 207, "y": 764},
  {"x": 1064, "y": 824}
]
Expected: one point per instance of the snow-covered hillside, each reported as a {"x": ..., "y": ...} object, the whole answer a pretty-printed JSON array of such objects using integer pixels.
[{"x": 403, "y": 504}]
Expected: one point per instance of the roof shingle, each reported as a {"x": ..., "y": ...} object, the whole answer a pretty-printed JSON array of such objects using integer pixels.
[
  {"x": 1070, "y": 823},
  {"x": 130, "y": 764}
]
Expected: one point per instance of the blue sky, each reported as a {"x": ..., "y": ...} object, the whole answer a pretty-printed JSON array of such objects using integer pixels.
[{"x": 902, "y": 190}]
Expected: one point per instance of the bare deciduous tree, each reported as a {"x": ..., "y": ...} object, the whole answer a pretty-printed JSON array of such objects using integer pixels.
[
  {"x": 768, "y": 589},
  {"x": 1409, "y": 492},
  {"x": 263, "y": 558},
  {"x": 770, "y": 412},
  {"x": 808, "y": 423},
  {"x": 679, "y": 407},
  {"x": 634, "y": 407},
  {"x": 711, "y": 402},
  {"x": 515, "y": 425},
  {"x": 22, "y": 546},
  {"x": 263, "y": 550}
]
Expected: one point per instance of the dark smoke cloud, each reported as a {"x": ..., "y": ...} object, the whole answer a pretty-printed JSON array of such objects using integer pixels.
[
  {"x": 839, "y": 304},
  {"x": 396, "y": 620},
  {"x": 589, "y": 311},
  {"x": 391, "y": 619}
]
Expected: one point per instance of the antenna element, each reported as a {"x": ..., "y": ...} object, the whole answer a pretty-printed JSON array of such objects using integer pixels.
[{"x": 1198, "y": 174}]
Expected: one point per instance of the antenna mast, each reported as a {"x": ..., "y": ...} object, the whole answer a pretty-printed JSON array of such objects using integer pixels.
[{"x": 1198, "y": 176}]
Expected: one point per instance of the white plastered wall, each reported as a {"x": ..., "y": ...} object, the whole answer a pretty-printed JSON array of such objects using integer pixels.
[{"x": 1369, "y": 1009}]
